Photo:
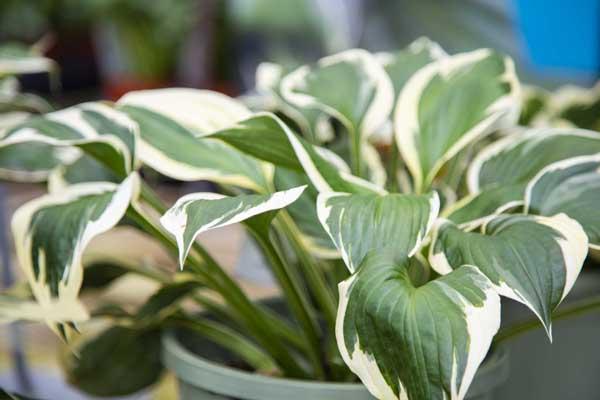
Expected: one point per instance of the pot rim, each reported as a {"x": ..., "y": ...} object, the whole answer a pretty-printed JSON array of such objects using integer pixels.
[{"x": 194, "y": 368}]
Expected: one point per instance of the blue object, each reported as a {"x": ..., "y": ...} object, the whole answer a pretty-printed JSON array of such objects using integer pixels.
[{"x": 561, "y": 35}]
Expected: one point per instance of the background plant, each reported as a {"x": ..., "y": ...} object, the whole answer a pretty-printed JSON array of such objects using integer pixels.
[{"x": 406, "y": 166}]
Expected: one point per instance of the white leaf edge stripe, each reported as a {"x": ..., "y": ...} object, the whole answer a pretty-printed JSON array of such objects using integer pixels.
[
  {"x": 502, "y": 112},
  {"x": 175, "y": 219},
  {"x": 67, "y": 302},
  {"x": 482, "y": 325},
  {"x": 311, "y": 169},
  {"x": 381, "y": 104},
  {"x": 72, "y": 117},
  {"x": 27, "y": 65},
  {"x": 573, "y": 245},
  {"x": 513, "y": 140},
  {"x": 202, "y": 111},
  {"x": 559, "y": 165},
  {"x": 324, "y": 211}
]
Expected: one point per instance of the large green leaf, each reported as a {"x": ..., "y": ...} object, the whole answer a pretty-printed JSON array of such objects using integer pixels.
[
  {"x": 82, "y": 170},
  {"x": 517, "y": 158},
  {"x": 430, "y": 121},
  {"x": 572, "y": 187},
  {"x": 532, "y": 259},
  {"x": 174, "y": 151},
  {"x": 118, "y": 361},
  {"x": 351, "y": 86},
  {"x": 415, "y": 342},
  {"x": 266, "y": 137},
  {"x": 360, "y": 224},
  {"x": 196, "y": 213},
  {"x": 52, "y": 231}
]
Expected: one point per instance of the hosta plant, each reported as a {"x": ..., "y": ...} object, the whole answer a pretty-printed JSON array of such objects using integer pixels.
[{"x": 393, "y": 195}]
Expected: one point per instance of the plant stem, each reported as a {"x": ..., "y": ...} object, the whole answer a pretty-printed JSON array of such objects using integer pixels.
[
  {"x": 299, "y": 304},
  {"x": 314, "y": 275},
  {"x": 571, "y": 310},
  {"x": 248, "y": 312}
]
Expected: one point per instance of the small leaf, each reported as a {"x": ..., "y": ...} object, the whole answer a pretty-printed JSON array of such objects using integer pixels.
[
  {"x": 167, "y": 296},
  {"x": 52, "y": 231},
  {"x": 534, "y": 260},
  {"x": 196, "y": 213},
  {"x": 571, "y": 186},
  {"x": 360, "y": 224},
  {"x": 119, "y": 361},
  {"x": 408, "y": 342},
  {"x": 430, "y": 124}
]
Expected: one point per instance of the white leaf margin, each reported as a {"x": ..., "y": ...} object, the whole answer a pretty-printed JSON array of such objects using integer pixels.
[
  {"x": 501, "y": 113},
  {"x": 176, "y": 218},
  {"x": 67, "y": 304},
  {"x": 559, "y": 165}
]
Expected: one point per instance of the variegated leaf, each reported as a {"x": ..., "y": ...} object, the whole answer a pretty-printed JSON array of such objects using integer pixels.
[
  {"x": 16, "y": 309},
  {"x": 94, "y": 128},
  {"x": 52, "y": 231},
  {"x": 352, "y": 87},
  {"x": 200, "y": 111},
  {"x": 532, "y": 259},
  {"x": 173, "y": 150},
  {"x": 517, "y": 158},
  {"x": 360, "y": 224},
  {"x": 196, "y": 213},
  {"x": 430, "y": 124},
  {"x": 18, "y": 59},
  {"x": 571, "y": 186},
  {"x": 415, "y": 342},
  {"x": 266, "y": 137}
]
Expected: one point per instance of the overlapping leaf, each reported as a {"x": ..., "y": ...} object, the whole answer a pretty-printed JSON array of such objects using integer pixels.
[
  {"x": 266, "y": 137},
  {"x": 430, "y": 123},
  {"x": 360, "y": 224},
  {"x": 532, "y": 259},
  {"x": 571, "y": 186},
  {"x": 408, "y": 342}
]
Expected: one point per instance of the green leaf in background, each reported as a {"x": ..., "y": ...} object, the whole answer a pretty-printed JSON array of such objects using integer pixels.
[
  {"x": 304, "y": 212},
  {"x": 165, "y": 298},
  {"x": 18, "y": 59},
  {"x": 430, "y": 123},
  {"x": 518, "y": 157},
  {"x": 196, "y": 213},
  {"x": 475, "y": 208},
  {"x": 571, "y": 186},
  {"x": 403, "y": 64},
  {"x": 360, "y": 224},
  {"x": 174, "y": 151},
  {"x": 534, "y": 260},
  {"x": 118, "y": 361},
  {"x": 313, "y": 123},
  {"x": 266, "y": 137},
  {"x": 575, "y": 105},
  {"x": 82, "y": 170},
  {"x": 52, "y": 231},
  {"x": 94, "y": 128},
  {"x": 352, "y": 87},
  {"x": 415, "y": 342},
  {"x": 535, "y": 101}
]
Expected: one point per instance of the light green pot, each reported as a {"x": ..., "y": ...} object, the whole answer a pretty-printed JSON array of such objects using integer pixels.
[{"x": 202, "y": 375}]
